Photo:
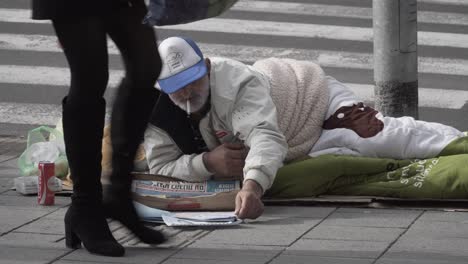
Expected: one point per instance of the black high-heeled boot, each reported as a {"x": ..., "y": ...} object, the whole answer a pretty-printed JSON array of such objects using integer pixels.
[
  {"x": 85, "y": 221},
  {"x": 130, "y": 115}
]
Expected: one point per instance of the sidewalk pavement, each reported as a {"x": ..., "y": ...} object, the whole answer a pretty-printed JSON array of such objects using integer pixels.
[{"x": 30, "y": 233}]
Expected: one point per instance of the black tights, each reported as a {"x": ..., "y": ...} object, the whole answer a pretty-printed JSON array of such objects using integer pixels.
[{"x": 84, "y": 42}]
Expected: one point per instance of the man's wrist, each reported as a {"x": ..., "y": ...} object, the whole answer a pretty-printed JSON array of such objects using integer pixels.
[
  {"x": 206, "y": 161},
  {"x": 251, "y": 185}
]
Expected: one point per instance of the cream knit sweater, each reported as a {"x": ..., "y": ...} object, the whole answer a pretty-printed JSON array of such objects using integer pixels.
[{"x": 299, "y": 91}]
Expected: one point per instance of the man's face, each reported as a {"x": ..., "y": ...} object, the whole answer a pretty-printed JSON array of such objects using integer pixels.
[{"x": 196, "y": 93}]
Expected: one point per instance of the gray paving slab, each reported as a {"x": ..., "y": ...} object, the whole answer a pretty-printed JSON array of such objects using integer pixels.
[
  {"x": 299, "y": 211},
  {"x": 420, "y": 257},
  {"x": 337, "y": 248},
  {"x": 18, "y": 239},
  {"x": 378, "y": 210},
  {"x": 137, "y": 255},
  {"x": 74, "y": 262},
  {"x": 11, "y": 163},
  {"x": 208, "y": 261},
  {"x": 445, "y": 246},
  {"x": 29, "y": 255},
  {"x": 5, "y": 183},
  {"x": 229, "y": 252},
  {"x": 8, "y": 171},
  {"x": 174, "y": 240},
  {"x": 437, "y": 230},
  {"x": 9, "y": 166},
  {"x": 44, "y": 225},
  {"x": 13, "y": 217},
  {"x": 354, "y": 233},
  {"x": 8, "y": 156},
  {"x": 14, "y": 199},
  {"x": 10, "y": 151},
  {"x": 420, "y": 261},
  {"x": 267, "y": 231},
  {"x": 372, "y": 217},
  {"x": 51, "y": 223},
  {"x": 440, "y": 216},
  {"x": 291, "y": 259}
]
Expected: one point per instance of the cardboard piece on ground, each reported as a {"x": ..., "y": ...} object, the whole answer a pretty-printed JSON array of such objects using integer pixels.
[
  {"x": 219, "y": 201},
  {"x": 460, "y": 205},
  {"x": 225, "y": 201}
]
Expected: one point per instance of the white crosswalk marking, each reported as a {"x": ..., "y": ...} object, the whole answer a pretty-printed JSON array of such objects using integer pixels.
[
  {"x": 283, "y": 29},
  {"x": 341, "y": 11},
  {"x": 250, "y": 54},
  {"x": 443, "y": 65}
]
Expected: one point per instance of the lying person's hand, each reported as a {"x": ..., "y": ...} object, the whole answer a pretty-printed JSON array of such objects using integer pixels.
[
  {"x": 226, "y": 161},
  {"x": 248, "y": 201}
]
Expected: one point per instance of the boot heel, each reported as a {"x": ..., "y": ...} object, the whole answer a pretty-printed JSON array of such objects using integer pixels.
[{"x": 71, "y": 239}]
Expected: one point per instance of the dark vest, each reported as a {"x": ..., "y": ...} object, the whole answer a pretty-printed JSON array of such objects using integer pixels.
[{"x": 174, "y": 121}]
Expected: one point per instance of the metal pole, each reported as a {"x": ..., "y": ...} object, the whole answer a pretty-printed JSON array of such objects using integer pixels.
[{"x": 395, "y": 57}]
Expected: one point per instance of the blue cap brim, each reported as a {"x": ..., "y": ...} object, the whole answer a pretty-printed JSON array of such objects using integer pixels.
[{"x": 183, "y": 78}]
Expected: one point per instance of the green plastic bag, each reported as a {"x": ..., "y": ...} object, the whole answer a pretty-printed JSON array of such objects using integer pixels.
[{"x": 44, "y": 144}]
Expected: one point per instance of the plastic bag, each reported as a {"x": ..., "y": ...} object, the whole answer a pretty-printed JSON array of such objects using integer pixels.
[
  {"x": 44, "y": 144},
  {"x": 170, "y": 12}
]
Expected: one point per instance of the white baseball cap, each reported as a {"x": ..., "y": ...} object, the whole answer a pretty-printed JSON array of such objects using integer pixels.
[{"x": 183, "y": 64}]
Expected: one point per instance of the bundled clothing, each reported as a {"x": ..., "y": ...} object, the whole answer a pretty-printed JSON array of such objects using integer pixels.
[{"x": 300, "y": 93}]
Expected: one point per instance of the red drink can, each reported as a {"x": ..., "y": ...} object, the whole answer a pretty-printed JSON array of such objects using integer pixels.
[{"x": 45, "y": 195}]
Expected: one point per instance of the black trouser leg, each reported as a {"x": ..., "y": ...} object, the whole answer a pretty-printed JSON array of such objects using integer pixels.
[
  {"x": 133, "y": 105},
  {"x": 84, "y": 43}
]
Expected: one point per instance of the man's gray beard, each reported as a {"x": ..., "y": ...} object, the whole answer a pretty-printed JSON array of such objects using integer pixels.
[{"x": 196, "y": 102}]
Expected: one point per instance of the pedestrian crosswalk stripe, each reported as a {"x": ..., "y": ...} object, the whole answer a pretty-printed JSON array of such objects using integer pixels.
[
  {"x": 446, "y": 2},
  {"x": 33, "y": 42},
  {"x": 44, "y": 75},
  {"x": 342, "y": 11},
  {"x": 272, "y": 28},
  {"x": 249, "y": 54},
  {"x": 46, "y": 114},
  {"x": 428, "y": 97},
  {"x": 31, "y": 114}
]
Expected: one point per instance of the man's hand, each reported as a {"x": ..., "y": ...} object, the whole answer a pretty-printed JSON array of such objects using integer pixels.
[
  {"x": 248, "y": 201},
  {"x": 226, "y": 161}
]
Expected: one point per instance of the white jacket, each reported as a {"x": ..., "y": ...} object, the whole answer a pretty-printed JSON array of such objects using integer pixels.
[{"x": 240, "y": 103}]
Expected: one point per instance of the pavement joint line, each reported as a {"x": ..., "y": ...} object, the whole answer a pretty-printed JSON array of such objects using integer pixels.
[
  {"x": 12, "y": 158},
  {"x": 195, "y": 238},
  {"x": 27, "y": 223},
  {"x": 308, "y": 230},
  {"x": 404, "y": 232},
  {"x": 60, "y": 257},
  {"x": 187, "y": 242}
]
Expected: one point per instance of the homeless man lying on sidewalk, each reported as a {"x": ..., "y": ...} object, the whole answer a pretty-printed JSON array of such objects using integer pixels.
[{"x": 219, "y": 118}]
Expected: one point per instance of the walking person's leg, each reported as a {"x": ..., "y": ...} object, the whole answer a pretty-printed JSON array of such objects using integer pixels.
[
  {"x": 133, "y": 104},
  {"x": 84, "y": 44}
]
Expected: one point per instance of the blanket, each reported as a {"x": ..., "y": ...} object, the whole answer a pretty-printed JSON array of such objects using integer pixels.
[
  {"x": 299, "y": 91},
  {"x": 441, "y": 177}
]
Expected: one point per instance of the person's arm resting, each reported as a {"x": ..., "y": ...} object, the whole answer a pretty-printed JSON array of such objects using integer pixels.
[
  {"x": 165, "y": 158},
  {"x": 255, "y": 118}
]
